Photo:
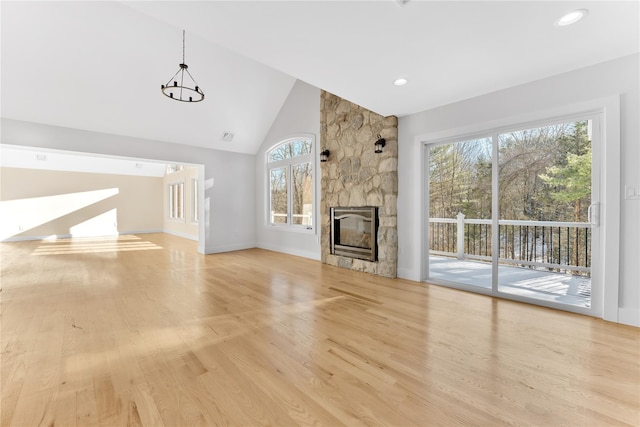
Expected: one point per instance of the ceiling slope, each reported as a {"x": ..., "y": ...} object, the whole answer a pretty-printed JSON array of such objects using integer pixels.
[
  {"x": 98, "y": 65},
  {"x": 448, "y": 50}
]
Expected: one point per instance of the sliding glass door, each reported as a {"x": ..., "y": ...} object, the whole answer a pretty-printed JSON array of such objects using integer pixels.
[
  {"x": 460, "y": 206},
  {"x": 515, "y": 213},
  {"x": 545, "y": 198}
]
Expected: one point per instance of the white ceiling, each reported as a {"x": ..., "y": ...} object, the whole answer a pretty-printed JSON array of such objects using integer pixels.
[
  {"x": 449, "y": 50},
  {"x": 99, "y": 65}
]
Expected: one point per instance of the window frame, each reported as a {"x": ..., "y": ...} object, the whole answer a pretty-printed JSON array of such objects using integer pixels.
[
  {"x": 175, "y": 208},
  {"x": 194, "y": 201},
  {"x": 288, "y": 164}
]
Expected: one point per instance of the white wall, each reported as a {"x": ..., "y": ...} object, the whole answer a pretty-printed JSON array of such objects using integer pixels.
[
  {"x": 228, "y": 211},
  {"x": 599, "y": 81},
  {"x": 300, "y": 114},
  {"x": 38, "y": 203}
]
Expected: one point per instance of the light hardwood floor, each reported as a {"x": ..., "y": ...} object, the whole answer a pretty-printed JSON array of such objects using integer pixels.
[{"x": 145, "y": 331}]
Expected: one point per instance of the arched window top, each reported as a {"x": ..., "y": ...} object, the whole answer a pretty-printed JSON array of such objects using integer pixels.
[{"x": 290, "y": 148}]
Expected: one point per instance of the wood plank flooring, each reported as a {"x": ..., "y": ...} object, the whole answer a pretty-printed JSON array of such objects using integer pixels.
[{"x": 143, "y": 330}]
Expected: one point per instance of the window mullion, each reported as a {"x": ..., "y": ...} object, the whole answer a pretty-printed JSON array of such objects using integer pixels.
[
  {"x": 495, "y": 211},
  {"x": 290, "y": 194}
]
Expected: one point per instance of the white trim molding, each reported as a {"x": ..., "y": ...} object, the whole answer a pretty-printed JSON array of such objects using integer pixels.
[
  {"x": 229, "y": 248},
  {"x": 629, "y": 316},
  {"x": 290, "y": 251},
  {"x": 180, "y": 234}
]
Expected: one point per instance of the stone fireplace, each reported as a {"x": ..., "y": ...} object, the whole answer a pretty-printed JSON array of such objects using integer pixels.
[{"x": 355, "y": 176}]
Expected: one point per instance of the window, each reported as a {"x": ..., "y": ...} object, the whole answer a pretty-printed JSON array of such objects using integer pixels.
[
  {"x": 290, "y": 178},
  {"x": 194, "y": 200},
  {"x": 176, "y": 200}
]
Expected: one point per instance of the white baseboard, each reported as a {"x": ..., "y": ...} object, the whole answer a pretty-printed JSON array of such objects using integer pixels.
[
  {"x": 183, "y": 235},
  {"x": 289, "y": 251},
  {"x": 629, "y": 316},
  {"x": 408, "y": 274},
  {"x": 229, "y": 248},
  {"x": 149, "y": 231}
]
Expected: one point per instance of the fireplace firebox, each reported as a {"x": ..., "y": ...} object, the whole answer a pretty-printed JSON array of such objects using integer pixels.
[{"x": 354, "y": 232}]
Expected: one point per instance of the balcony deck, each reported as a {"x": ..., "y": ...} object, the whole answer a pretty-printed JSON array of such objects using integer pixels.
[{"x": 544, "y": 285}]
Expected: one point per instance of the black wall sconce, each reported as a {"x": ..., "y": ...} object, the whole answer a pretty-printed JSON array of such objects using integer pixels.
[
  {"x": 379, "y": 144},
  {"x": 324, "y": 155}
]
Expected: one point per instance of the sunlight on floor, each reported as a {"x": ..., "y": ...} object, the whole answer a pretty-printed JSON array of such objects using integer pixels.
[{"x": 94, "y": 245}]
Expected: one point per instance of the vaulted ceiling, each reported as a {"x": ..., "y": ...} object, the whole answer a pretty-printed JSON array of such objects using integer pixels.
[{"x": 98, "y": 66}]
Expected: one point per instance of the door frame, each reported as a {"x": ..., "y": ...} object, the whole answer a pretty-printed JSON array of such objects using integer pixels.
[{"x": 608, "y": 258}]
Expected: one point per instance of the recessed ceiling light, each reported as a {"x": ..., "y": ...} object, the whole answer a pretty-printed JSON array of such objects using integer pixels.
[
  {"x": 571, "y": 17},
  {"x": 400, "y": 81}
]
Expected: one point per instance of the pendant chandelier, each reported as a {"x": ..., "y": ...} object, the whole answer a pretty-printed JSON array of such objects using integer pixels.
[{"x": 179, "y": 87}]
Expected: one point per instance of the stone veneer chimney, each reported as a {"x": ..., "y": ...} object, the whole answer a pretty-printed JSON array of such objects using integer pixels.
[{"x": 356, "y": 176}]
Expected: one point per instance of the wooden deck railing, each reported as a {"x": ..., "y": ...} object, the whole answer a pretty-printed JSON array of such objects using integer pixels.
[{"x": 554, "y": 246}]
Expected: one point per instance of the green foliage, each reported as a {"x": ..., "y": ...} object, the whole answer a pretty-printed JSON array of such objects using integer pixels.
[
  {"x": 544, "y": 175},
  {"x": 572, "y": 181}
]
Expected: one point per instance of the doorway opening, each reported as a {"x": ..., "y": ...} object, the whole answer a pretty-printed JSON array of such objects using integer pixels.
[{"x": 70, "y": 205}]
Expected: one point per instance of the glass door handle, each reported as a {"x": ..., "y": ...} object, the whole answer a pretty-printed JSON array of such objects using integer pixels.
[{"x": 593, "y": 214}]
